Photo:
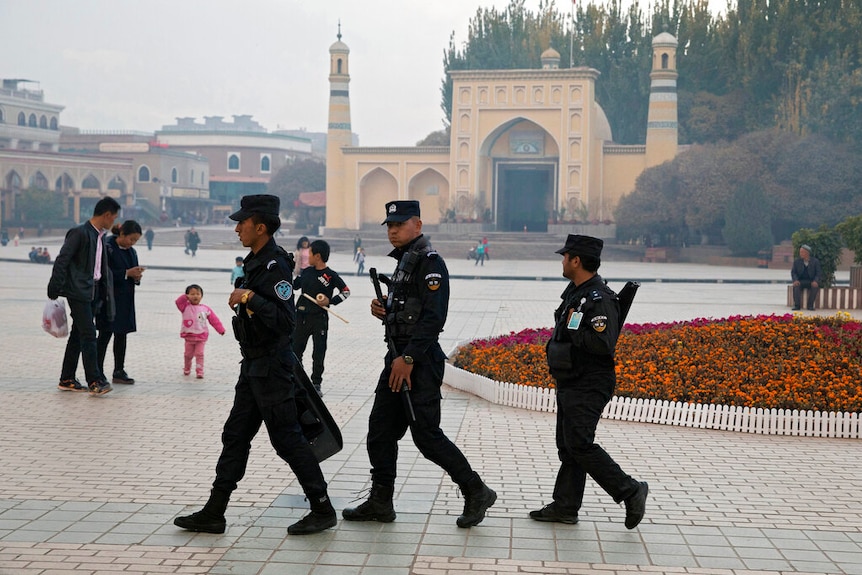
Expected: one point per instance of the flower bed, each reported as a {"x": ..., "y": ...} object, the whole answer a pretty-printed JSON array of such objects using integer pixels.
[{"x": 781, "y": 362}]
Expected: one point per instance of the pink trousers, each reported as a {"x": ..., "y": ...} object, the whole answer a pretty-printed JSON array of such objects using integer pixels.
[{"x": 194, "y": 349}]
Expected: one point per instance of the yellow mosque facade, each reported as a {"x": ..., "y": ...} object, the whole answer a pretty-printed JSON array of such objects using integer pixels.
[{"x": 527, "y": 147}]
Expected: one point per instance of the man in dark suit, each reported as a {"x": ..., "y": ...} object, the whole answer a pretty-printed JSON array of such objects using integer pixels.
[
  {"x": 81, "y": 273},
  {"x": 806, "y": 274}
]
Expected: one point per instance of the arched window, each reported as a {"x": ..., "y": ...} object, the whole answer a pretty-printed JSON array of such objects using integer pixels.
[
  {"x": 1, "y": 116},
  {"x": 32, "y": 122},
  {"x": 43, "y": 122},
  {"x": 64, "y": 184},
  {"x": 22, "y": 119},
  {"x": 38, "y": 181},
  {"x": 664, "y": 58},
  {"x": 192, "y": 177},
  {"x": 54, "y": 123},
  {"x": 339, "y": 65},
  {"x": 233, "y": 162},
  {"x": 91, "y": 183},
  {"x": 143, "y": 174},
  {"x": 174, "y": 175},
  {"x": 265, "y": 163},
  {"x": 203, "y": 178}
]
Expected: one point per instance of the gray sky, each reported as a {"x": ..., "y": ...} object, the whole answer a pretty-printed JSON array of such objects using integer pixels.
[{"x": 139, "y": 64}]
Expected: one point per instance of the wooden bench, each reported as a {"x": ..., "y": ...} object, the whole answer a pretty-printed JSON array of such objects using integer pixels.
[{"x": 838, "y": 297}]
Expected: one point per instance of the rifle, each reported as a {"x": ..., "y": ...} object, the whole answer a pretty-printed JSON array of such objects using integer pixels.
[
  {"x": 626, "y": 297},
  {"x": 390, "y": 343}
]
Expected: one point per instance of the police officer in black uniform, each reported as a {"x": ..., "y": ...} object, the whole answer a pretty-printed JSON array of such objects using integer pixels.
[
  {"x": 414, "y": 313},
  {"x": 581, "y": 360},
  {"x": 265, "y": 391}
]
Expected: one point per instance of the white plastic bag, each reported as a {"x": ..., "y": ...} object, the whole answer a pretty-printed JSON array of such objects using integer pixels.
[{"x": 54, "y": 318}]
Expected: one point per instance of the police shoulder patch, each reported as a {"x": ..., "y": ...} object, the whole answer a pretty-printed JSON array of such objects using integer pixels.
[
  {"x": 599, "y": 323},
  {"x": 433, "y": 280},
  {"x": 283, "y": 290}
]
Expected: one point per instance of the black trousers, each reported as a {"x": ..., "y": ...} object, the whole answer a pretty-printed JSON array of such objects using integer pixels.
[
  {"x": 812, "y": 293},
  {"x": 120, "y": 339},
  {"x": 82, "y": 342},
  {"x": 264, "y": 393},
  {"x": 315, "y": 326},
  {"x": 389, "y": 421},
  {"x": 579, "y": 408}
]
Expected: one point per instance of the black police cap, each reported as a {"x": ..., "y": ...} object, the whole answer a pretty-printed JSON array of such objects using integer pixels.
[
  {"x": 401, "y": 210},
  {"x": 264, "y": 204},
  {"x": 578, "y": 245}
]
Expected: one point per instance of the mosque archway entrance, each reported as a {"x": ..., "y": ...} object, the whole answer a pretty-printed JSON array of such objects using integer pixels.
[{"x": 524, "y": 196}]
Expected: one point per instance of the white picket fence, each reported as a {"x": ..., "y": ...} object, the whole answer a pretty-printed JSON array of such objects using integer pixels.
[{"x": 699, "y": 415}]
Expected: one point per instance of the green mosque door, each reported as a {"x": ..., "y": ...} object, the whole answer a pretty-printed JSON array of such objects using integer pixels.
[{"x": 524, "y": 196}]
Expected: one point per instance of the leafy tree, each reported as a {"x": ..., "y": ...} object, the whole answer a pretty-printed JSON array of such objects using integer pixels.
[
  {"x": 436, "y": 138},
  {"x": 851, "y": 233},
  {"x": 296, "y": 178},
  {"x": 747, "y": 221},
  {"x": 825, "y": 245},
  {"x": 35, "y": 205}
]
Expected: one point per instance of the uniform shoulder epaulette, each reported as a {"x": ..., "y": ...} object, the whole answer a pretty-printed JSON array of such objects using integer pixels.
[
  {"x": 595, "y": 295},
  {"x": 432, "y": 254}
]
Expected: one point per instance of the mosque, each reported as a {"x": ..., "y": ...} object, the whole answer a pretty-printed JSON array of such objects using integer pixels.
[{"x": 527, "y": 147}]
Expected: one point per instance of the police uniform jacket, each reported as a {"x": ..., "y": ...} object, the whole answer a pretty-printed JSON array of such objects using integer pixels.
[
  {"x": 267, "y": 329},
  {"x": 72, "y": 275},
  {"x": 585, "y": 334},
  {"x": 418, "y": 301}
]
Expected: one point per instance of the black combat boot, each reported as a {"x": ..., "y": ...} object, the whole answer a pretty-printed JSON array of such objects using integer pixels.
[
  {"x": 322, "y": 517},
  {"x": 478, "y": 497},
  {"x": 210, "y": 519},
  {"x": 378, "y": 507}
]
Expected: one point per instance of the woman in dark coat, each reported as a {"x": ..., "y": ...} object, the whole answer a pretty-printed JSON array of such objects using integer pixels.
[{"x": 123, "y": 260}]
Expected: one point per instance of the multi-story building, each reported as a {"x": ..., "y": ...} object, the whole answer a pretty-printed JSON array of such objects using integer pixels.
[
  {"x": 242, "y": 155},
  {"x": 30, "y": 159},
  {"x": 168, "y": 184}
]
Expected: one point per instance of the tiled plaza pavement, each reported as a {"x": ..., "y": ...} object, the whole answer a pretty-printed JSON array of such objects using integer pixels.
[{"x": 91, "y": 485}]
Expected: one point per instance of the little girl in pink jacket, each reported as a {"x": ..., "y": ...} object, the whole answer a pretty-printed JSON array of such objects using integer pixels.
[{"x": 195, "y": 330}]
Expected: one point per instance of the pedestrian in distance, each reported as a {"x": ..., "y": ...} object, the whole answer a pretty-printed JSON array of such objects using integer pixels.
[
  {"x": 149, "y": 235},
  {"x": 408, "y": 390},
  {"x": 319, "y": 282},
  {"x": 237, "y": 272},
  {"x": 302, "y": 254},
  {"x": 81, "y": 273},
  {"x": 581, "y": 360},
  {"x": 480, "y": 254},
  {"x": 197, "y": 318},
  {"x": 126, "y": 274},
  {"x": 360, "y": 261},
  {"x": 193, "y": 240},
  {"x": 266, "y": 389}
]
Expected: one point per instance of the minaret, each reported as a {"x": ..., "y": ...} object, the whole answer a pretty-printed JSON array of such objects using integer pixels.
[
  {"x": 662, "y": 125},
  {"x": 339, "y": 134}
]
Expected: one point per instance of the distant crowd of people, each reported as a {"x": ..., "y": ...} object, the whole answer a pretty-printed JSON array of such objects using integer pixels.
[{"x": 39, "y": 255}]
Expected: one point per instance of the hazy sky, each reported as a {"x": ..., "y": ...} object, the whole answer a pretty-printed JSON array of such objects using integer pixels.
[{"x": 139, "y": 64}]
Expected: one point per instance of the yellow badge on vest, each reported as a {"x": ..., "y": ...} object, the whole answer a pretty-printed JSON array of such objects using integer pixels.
[
  {"x": 433, "y": 281},
  {"x": 599, "y": 323}
]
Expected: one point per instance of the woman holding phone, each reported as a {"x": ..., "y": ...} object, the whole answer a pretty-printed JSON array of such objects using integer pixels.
[{"x": 126, "y": 274}]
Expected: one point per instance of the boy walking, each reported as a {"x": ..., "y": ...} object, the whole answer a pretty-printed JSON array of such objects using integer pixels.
[{"x": 320, "y": 282}]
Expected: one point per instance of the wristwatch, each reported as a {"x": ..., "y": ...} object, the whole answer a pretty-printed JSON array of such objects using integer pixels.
[
  {"x": 244, "y": 298},
  {"x": 408, "y": 359}
]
